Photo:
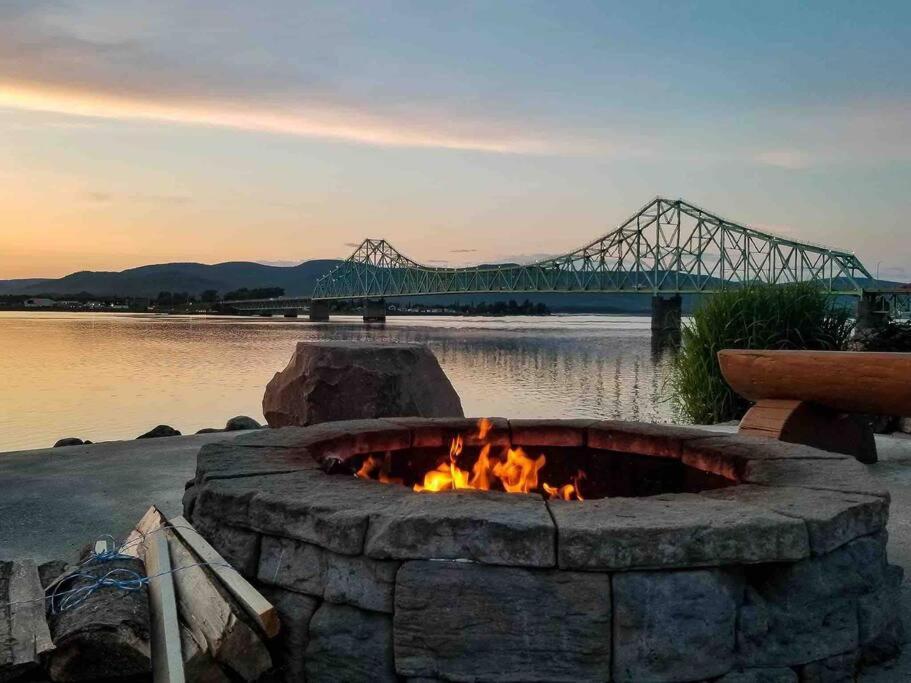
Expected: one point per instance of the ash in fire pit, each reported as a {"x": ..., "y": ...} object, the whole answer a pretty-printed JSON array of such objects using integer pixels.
[
  {"x": 556, "y": 472},
  {"x": 680, "y": 555}
]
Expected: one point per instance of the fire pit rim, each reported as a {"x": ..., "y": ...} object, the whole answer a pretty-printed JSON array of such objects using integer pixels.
[{"x": 272, "y": 482}]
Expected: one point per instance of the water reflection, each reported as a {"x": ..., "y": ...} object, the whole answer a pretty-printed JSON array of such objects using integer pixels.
[{"x": 114, "y": 376}]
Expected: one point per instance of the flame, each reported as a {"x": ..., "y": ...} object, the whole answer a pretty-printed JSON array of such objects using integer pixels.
[
  {"x": 374, "y": 464},
  {"x": 517, "y": 472}
]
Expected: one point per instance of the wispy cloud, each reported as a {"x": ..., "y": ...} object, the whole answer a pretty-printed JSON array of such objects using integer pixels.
[
  {"x": 791, "y": 159},
  {"x": 462, "y": 251}
]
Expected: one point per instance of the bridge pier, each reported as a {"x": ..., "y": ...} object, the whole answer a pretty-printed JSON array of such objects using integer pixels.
[
  {"x": 374, "y": 311},
  {"x": 870, "y": 313},
  {"x": 319, "y": 310},
  {"x": 666, "y": 314}
]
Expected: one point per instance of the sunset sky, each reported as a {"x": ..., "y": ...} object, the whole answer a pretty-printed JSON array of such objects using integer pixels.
[{"x": 136, "y": 132}]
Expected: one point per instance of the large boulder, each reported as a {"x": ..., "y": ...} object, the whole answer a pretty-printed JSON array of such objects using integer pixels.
[
  {"x": 327, "y": 381},
  {"x": 241, "y": 422},
  {"x": 158, "y": 432}
]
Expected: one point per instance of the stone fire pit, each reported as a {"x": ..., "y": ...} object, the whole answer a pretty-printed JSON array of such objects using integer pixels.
[{"x": 767, "y": 559}]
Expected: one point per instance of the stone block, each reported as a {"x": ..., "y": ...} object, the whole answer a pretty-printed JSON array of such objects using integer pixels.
[
  {"x": 343, "y": 579},
  {"x": 880, "y": 628},
  {"x": 348, "y": 644},
  {"x": 661, "y": 441},
  {"x": 799, "y": 613},
  {"x": 485, "y": 526},
  {"x": 674, "y": 626},
  {"x": 768, "y": 675},
  {"x": 729, "y": 455},
  {"x": 326, "y": 510},
  {"x": 833, "y": 518},
  {"x": 327, "y": 381},
  {"x": 846, "y": 476},
  {"x": 226, "y": 501},
  {"x": 465, "y": 622},
  {"x": 240, "y": 547},
  {"x": 674, "y": 530},
  {"x": 565, "y": 433},
  {"x": 840, "y": 668},
  {"x": 294, "y": 611},
  {"x": 226, "y": 460}
]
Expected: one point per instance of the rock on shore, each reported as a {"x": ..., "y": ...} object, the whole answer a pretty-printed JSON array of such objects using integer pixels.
[{"x": 328, "y": 381}]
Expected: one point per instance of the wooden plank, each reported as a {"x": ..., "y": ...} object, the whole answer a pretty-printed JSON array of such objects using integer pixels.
[
  {"x": 253, "y": 602},
  {"x": 167, "y": 659},
  {"x": 29, "y": 635}
]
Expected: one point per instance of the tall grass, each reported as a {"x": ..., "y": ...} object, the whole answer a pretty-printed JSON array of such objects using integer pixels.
[{"x": 795, "y": 316}]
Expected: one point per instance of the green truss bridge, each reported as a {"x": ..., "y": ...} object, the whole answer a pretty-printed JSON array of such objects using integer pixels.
[{"x": 667, "y": 249}]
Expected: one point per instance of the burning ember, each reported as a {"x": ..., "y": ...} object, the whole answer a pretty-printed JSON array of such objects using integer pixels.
[{"x": 512, "y": 471}]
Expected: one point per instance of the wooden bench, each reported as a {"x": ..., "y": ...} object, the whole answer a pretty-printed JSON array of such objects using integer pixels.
[{"x": 817, "y": 398}]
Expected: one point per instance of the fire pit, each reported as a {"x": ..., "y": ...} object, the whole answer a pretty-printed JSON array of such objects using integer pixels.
[{"x": 528, "y": 550}]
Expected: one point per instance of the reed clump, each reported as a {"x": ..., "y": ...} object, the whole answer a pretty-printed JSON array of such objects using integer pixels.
[{"x": 793, "y": 316}]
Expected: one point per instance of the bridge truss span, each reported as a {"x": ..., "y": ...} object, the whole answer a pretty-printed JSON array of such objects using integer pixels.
[{"x": 669, "y": 247}]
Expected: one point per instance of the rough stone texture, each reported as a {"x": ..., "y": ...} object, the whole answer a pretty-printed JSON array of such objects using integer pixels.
[
  {"x": 294, "y": 612},
  {"x": 807, "y": 611},
  {"x": 772, "y": 675},
  {"x": 640, "y": 437},
  {"x": 832, "y": 518},
  {"x": 847, "y": 476},
  {"x": 485, "y": 526},
  {"x": 679, "y": 530},
  {"x": 328, "y": 381},
  {"x": 241, "y": 422},
  {"x": 879, "y": 622},
  {"x": 841, "y": 668},
  {"x": 227, "y": 460},
  {"x": 344, "y": 579},
  {"x": 240, "y": 547},
  {"x": 328, "y": 511},
  {"x": 462, "y": 621},
  {"x": 674, "y": 626},
  {"x": 549, "y": 432},
  {"x": 348, "y": 644},
  {"x": 729, "y": 456},
  {"x": 158, "y": 432}
]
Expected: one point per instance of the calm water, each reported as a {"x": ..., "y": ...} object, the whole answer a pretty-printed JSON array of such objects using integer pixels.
[{"x": 114, "y": 376}]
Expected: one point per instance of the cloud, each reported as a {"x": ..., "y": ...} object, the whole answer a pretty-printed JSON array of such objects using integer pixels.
[
  {"x": 97, "y": 197},
  {"x": 462, "y": 251},
  {"x": 353, "y": 245},
  {"x": 282, "y": 264}
]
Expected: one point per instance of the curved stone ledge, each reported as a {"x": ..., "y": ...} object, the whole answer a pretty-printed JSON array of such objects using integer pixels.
[{"x": 785, "y": 568}]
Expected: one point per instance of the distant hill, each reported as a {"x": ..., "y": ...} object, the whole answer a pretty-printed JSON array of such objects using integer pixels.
[{"x": 178, "y": 277}]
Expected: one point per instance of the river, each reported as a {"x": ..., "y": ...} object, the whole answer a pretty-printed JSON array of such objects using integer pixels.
[{"x": 114, "y": 376}]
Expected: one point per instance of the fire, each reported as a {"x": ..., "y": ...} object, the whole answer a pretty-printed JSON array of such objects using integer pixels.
[{"x": 514, "y": 472}]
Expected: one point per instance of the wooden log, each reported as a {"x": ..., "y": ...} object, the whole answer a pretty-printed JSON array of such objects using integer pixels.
[
  {"x": 24, "y": 633},
  {"x": 259, "y": 609},
  {"x": 107, "y": 636},
  {"x": 844, "y": 381},
  {"x": 219, "y": 642},
  {"x": 167, "y": 659}
]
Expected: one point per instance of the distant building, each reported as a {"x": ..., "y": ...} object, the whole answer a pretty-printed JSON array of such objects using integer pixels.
[{"x": 39, "y": 303}]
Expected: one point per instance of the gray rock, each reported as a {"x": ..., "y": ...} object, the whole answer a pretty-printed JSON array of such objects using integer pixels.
[
  {"x": 226, "y": 460},
  {"x": 675, "y": 530},
  {"x": 807, "y": 611},
  {"x": 841, "y": 668},
  {"x": 485, "y": 526},
  {"x": 674, "y": 626},
  {"x": 342, "y": 579},
  {"x": 328, "y": 381},
  {"x": 904, "y": 425},
  {"x": 158, "y": 432},
  {"x": 847, "y": 476},
  {"x": 465, "y": 622},
  {"x": 776, "y": 675},
  {"x": 833, "y": 518},
  {"x": 880, "y": 628},
  {"x": 241, "y": 422},
  {"x": 239, "y": 547},
  {"x": 347, "y": 644},
  {"x": 294, "y": 612},
  {"x": 69, "y": 441},
  {"x": 209, "y": 430}
]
